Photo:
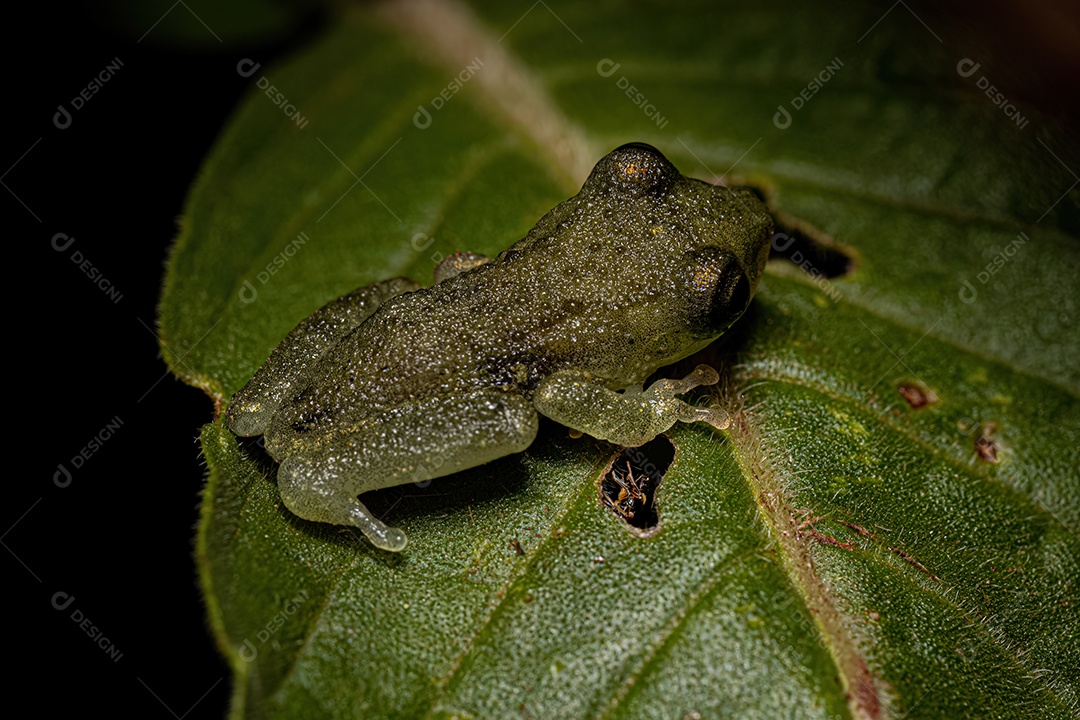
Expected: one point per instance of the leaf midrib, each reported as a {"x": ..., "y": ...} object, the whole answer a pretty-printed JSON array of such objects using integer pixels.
[
  {"x": 882, "y": 556},
  {"x": 993, "y": 632},
  {"x": 939, "y": 453}
]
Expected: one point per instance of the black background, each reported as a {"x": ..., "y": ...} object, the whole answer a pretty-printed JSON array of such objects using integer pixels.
[{"x": 118, "y": 539}]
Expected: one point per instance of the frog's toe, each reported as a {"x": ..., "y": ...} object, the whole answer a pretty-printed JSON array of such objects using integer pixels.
[
  {"x": 391, "y": 539},
  {"x": 379, "y": 533},
  {"x": 312, "y": 494},
  {"x": 669, "y": 387},
  {"x": 714, "y": 416}
]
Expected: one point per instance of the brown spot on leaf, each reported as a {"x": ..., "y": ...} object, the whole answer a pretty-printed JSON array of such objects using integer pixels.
[
  {"x": 986, "y": 447},
  {"x": 867, "y": 697},
  {"x": 917, "y": 395}
]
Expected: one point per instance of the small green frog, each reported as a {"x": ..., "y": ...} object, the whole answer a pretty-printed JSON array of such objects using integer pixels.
[{"x": 394, "y": 383}]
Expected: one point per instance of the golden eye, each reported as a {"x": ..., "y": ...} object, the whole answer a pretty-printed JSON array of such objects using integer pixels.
[{"x": 705, "y": 277}]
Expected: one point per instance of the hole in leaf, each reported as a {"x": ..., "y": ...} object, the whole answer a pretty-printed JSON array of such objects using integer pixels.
[
  {"x": 809, "y": 249},
  {"x": 629, "y": 486}
]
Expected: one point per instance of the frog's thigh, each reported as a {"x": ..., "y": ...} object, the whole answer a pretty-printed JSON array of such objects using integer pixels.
[
  {"x": 431, "y": 439},
  {"x": 630, "y": 418},
  {"x": 294, "y": 358}
]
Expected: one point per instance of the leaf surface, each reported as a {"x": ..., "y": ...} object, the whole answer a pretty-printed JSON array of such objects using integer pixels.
[{"x": 888, "y": 529}]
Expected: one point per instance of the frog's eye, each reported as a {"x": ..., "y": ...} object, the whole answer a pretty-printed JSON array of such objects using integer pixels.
[
  {"x": 635, "y": 168},
  {"x": 719, "y": 290}
]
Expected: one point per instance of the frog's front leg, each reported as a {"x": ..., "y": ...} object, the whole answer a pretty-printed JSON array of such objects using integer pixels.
[
  {"x": 630, "y": 418},
  {"x": 293, "y": 359},
  {"x": 432, "y": 438}
]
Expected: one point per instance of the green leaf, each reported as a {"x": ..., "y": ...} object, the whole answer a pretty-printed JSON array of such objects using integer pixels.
[{"x": 890, "y": 528}]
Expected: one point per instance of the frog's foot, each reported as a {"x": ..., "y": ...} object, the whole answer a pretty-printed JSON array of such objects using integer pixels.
[
  {"x": 295, "y": 358},
  {"x": 307, "y": 499},
  {"x": 668, "y": 388},
  {"x": 415, "y": 443},
  {"x": 630, "y": 418}
]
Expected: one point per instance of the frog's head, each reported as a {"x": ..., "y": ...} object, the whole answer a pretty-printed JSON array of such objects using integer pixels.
[
  {"x": 715, "y": 238},
  {"x": 634, "y": 170}
]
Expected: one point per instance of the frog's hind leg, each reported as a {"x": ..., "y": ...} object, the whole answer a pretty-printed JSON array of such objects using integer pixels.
[
  {"x": 293, "y": 360},
  {"x": 430, "y": 439}
]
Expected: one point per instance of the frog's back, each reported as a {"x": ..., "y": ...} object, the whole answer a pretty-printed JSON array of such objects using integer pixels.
[
  {"x": 505, "y": 324},
  {"x": 604, "y": 283}
]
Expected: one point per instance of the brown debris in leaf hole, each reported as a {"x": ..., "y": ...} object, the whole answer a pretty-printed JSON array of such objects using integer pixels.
[{"x": 629, "y": 486}]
